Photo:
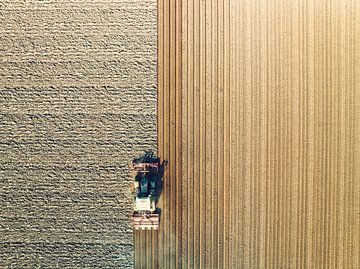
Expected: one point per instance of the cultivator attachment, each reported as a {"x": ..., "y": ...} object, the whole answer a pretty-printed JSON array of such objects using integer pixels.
[
  {"x": 145, "y": 167},
  {"x": 145, "y": 221}
]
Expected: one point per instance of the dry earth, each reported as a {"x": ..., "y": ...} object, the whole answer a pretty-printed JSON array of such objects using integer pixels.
[
  {"x": 259, "y": 119},
  {"x": 78, "y": 101}
]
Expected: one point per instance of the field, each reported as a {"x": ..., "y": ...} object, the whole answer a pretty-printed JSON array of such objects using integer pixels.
[
  {"x": 77, "y": 103},
  {"x": 259, "y": 119}
]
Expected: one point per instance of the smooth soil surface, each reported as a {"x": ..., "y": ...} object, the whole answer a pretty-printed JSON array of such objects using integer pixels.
[{"x": 259, "y": 119}]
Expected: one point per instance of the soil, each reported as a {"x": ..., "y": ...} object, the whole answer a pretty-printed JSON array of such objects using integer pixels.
[
  {"x": 259, "y": 120},
  {"x": 78, "y": 103}
]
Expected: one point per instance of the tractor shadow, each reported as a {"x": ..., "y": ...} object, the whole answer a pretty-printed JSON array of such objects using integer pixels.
[{"x": 159, "y": 181}]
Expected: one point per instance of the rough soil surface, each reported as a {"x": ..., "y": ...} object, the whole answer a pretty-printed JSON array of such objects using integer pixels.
[{"x": 77, "y": 103}]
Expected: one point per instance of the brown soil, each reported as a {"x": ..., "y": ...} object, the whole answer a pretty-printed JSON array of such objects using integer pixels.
[
  {"x": 259, "y": 118},
  {"x": 77, "y": 104}
]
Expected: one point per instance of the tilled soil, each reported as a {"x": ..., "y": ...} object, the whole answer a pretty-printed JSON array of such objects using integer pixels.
[
  {"x": 259, "y": 119},
  {"x": 78, "y": 102}
]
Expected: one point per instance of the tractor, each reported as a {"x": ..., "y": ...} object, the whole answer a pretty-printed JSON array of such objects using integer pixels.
[{"x": 146, "y": 170}]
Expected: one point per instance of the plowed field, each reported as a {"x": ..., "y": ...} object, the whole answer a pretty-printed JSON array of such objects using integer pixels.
[{"x": 259, "y": 119}]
